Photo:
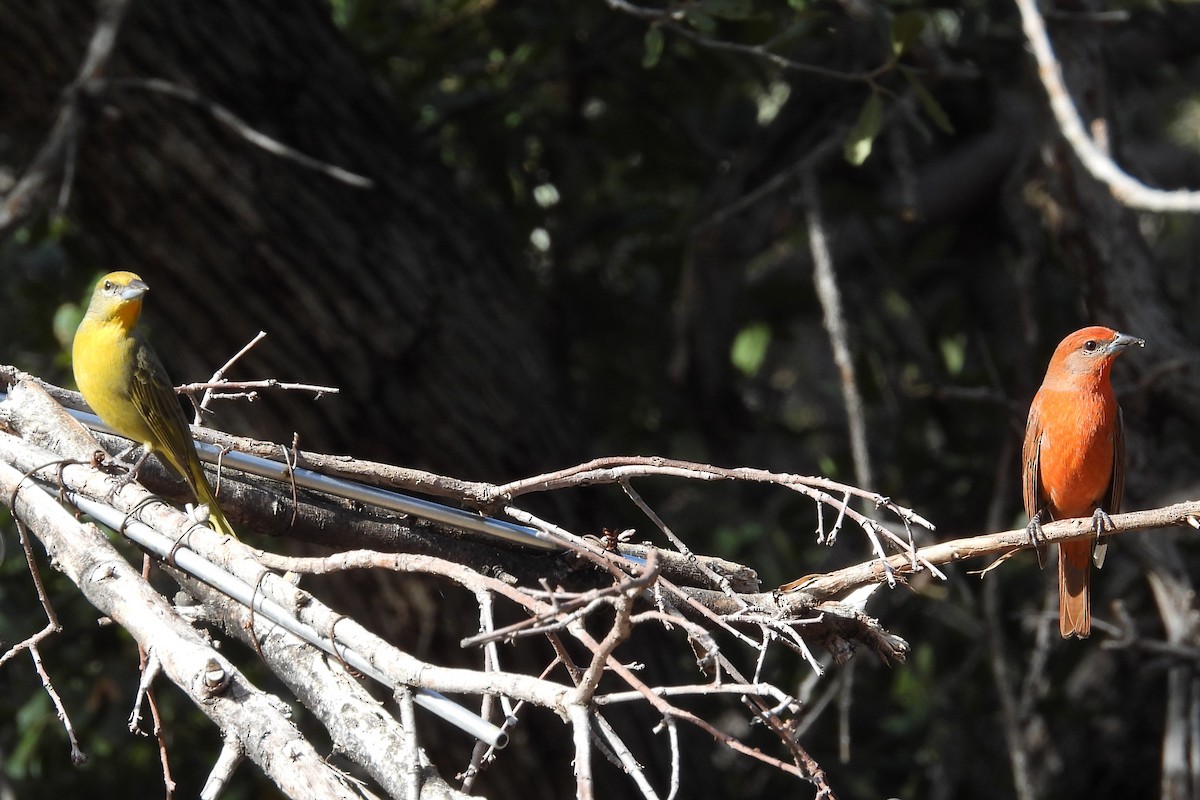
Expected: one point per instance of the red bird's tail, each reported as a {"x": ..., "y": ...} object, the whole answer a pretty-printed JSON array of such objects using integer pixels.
[{"x": 1074, "y": 575}]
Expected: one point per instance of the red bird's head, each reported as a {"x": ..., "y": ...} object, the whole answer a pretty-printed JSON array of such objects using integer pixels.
[{"x": 1088, "y": 352}]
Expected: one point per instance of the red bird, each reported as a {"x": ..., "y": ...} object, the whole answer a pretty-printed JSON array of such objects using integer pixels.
[{"x": 1074, "y": 459}]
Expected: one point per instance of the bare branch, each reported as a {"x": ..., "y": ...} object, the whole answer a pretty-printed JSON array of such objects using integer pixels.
[
  {"x": 669, "y": 710},
  {"x": 77, "y": 755},
  {"x": 825, "y": 279},
  {"x": 581, "y": 735},
  {"x": 955, "y": 550},
  {"x": 227, "y": 761},
  {"x": 217, "y": 387},
  {"x": 1127, "y": 189},
  {"x": 31, "y": 644},
  {"x": 717, "y": 578},
  {"x": 219, "y": 376},
  {"x": 702, "y": 689},
  {"x": 614, "y": 469},
  {"x": 411, "y": 772},
  {"x": 242, "y": 128},
  {"x": 632, "y": 768}
]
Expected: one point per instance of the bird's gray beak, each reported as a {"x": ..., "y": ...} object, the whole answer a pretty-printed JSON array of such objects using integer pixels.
[
  {"x": 1124, "y": 340},
  {"x": 136, "y": 289}
]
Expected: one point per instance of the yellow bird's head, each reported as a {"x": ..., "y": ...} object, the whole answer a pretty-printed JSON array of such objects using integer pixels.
[{"x": 118, "y": 298}]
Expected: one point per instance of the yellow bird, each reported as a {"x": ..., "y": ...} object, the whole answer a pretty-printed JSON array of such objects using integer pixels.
[{"x": 124, "y": 382}]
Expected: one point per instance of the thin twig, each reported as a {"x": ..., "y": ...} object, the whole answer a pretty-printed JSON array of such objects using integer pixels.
[
  {"x": 613, "y": 562},
  {"x": 612, "y": 469},
  {"x": 222, "y": 771},
  {"x": 625, "y": 674},
  {"x": 616, "y": 469},
  {"x": 845, "y": 698},
  {"x": 581, "y": 735},
  {"x": 602, "y": 653},
  {"x": 217, "y": 387},
  {"x": 151, "y": 665},
  {"x": 717, "y": 578},
  {"x": 701, "y": 689},
  {"x": 673, "y": 738},
  {"x": 630, "y": 764},
  {"x": 225, "y": 389},
  {"x": 160, "y": 736},
  {"x": 242, "y": 128},
  {"x": 31, "y": 644},
  {"x": 408, "y": 721},
  {"x": 77, "y": 754},
  {"x": 825, "y": 280}
]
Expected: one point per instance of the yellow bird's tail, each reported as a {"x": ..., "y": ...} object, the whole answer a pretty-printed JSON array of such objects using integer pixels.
[{"x": 204, "y": 493}]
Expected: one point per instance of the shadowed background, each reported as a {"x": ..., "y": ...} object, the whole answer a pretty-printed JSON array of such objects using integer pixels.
[{"x": 571, "y": 247}]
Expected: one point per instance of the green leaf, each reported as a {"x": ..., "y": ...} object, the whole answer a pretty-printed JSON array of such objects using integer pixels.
[
  {"x": 750, "y": 348},
  {"x": 954, "y": 353},
  {"x": 827, "y": 466},
  {"x": 66, "y": 319},
  {"x": 906, "y": 28},
  {"x": 932, "y": 108},
  {"x": 654, "y": 47},
  {"x": 58, "y": 227},
  {"x": 861, "y": 138},
  {"x": 700, "y": 20},
  {"x": 340, "y": 11}
]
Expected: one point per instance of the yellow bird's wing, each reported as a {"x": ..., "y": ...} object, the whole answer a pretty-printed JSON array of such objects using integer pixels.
[
  {"x": 153, "y": 396},
  {"x": 155, "y": 399}
]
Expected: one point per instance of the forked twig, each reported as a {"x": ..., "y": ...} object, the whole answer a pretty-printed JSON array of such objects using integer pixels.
[
  {"x": 32, "y": 643},
  {"x": 218, "y": 387}
]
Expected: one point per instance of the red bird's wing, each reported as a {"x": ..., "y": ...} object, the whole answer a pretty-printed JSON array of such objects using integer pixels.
[
  {"x": 1031, "y": 473},
  {"x": 1116, "y": 486}
]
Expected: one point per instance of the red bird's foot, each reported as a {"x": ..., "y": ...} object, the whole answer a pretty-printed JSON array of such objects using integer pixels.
[
  {"x": 1037, "y": 538},
  {"x": 1101, "y": 521},
  {"x": 1034, "y": 529}
]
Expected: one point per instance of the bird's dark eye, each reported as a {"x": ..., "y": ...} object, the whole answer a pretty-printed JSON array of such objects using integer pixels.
[
  {"x": 108, "y": 285},
  {"x": 1090, "y": 345}
]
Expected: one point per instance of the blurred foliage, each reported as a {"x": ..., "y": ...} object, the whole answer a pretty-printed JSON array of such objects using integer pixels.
[
  {"x": 601, "y": 149},
  {"x": 35, "y": 261}
]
